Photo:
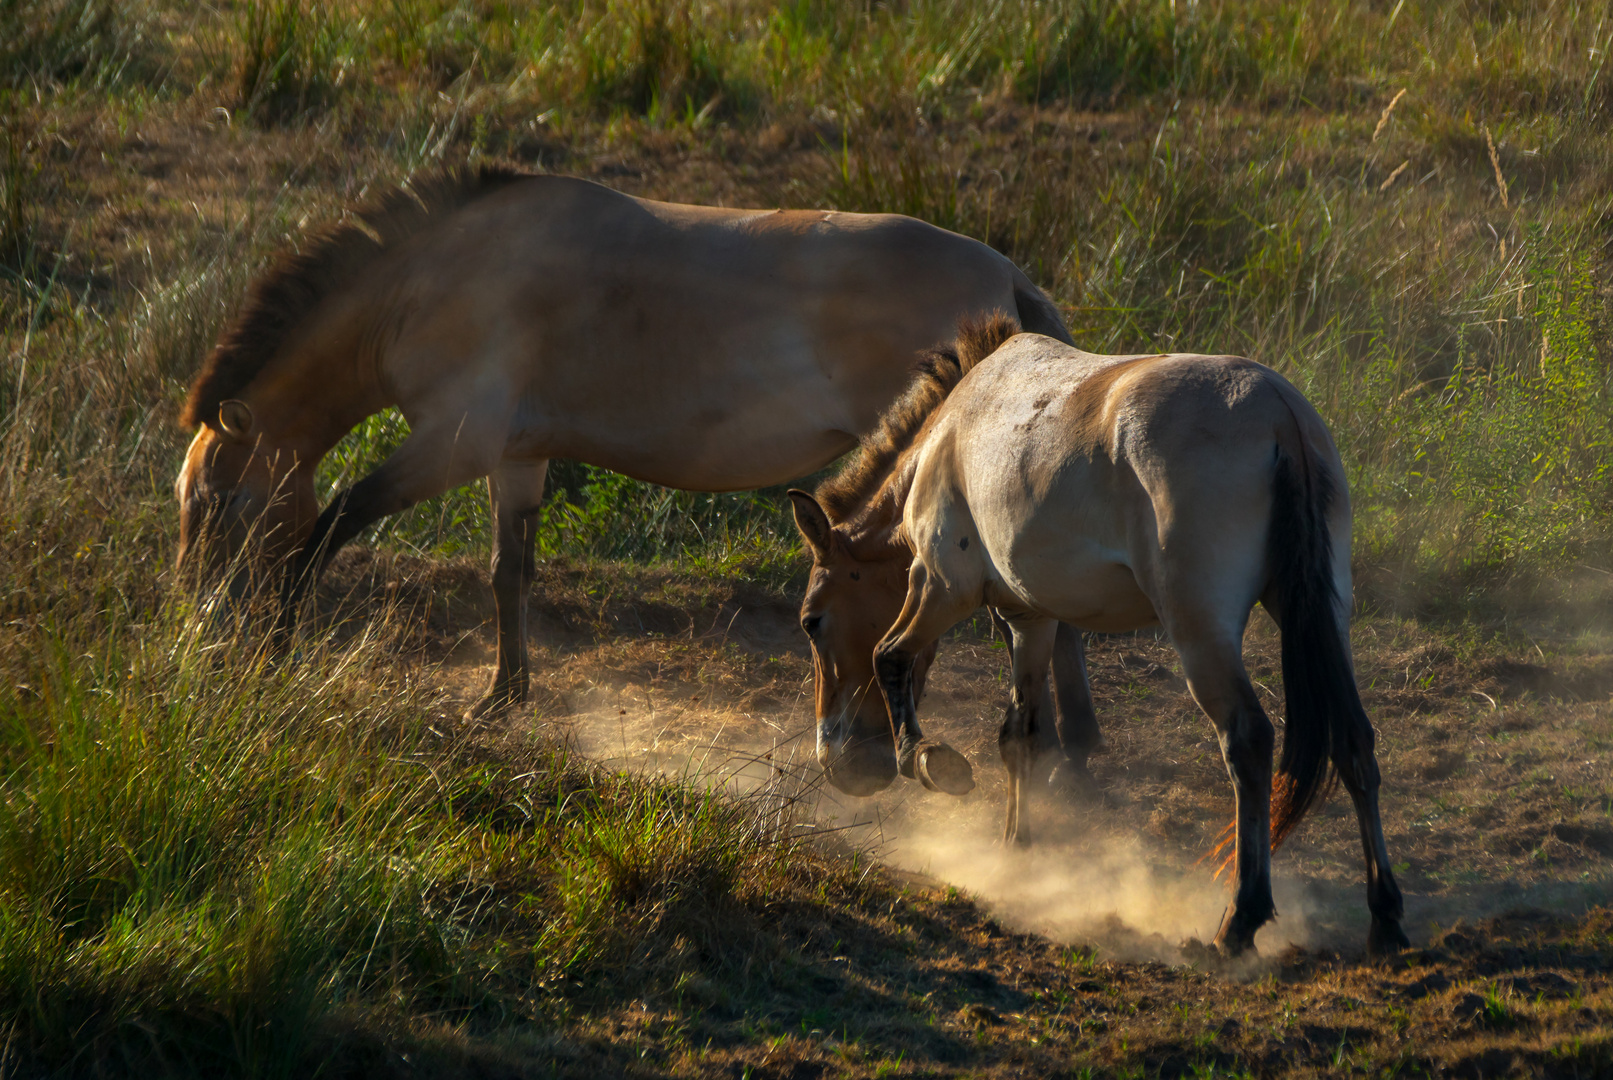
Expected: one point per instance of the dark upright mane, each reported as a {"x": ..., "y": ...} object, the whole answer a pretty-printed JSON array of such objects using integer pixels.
[
  {"x": 939, "y": 370},
  {"x": 332, "y": 258}
]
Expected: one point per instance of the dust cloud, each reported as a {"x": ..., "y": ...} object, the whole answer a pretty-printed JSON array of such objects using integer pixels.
[
  {"x": 1086, "y": 880},
  {"x": 1101, "y": 887}
]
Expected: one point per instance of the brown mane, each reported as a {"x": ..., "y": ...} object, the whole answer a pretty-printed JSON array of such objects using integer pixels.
[
  {"x": 938, "y": 372},
  {"x": 330, "y": 259}
]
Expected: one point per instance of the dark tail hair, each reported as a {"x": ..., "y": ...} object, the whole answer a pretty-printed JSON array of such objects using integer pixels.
[
  {"x": 1325, "y": 715},
  {"x": 1038, "y": 314}
]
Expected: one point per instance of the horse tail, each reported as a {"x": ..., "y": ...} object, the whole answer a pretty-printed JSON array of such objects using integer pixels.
[
  {"x": 1325, "y": 716},
  {"x": 1038, "y": 314}
]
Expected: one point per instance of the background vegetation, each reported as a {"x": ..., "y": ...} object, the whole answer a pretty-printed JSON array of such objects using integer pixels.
[{"x": 1402, "y": 205}]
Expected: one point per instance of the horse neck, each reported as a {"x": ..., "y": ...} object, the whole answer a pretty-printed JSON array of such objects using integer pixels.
[
  {"x": 320, "y": 391},
  {"x": 877, "y": 525}
]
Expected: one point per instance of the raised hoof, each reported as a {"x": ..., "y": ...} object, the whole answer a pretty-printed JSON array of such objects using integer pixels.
[
  {"x": 941, "y": 768},
  {"x": 1386, "y": 939}
]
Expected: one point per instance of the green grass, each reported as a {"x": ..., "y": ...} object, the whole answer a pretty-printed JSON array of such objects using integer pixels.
[{"x": 201, "y": 847}]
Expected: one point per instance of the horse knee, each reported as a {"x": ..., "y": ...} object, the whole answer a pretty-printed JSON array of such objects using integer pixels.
[{"x": 892, "y": 665}]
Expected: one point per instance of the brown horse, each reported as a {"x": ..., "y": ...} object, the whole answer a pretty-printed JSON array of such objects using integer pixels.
[
  {"x": 1113, "y": 493},
  {"x": 516, "y": 318}
]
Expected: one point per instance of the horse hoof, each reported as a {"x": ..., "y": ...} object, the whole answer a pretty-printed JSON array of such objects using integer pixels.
[
  {"x": 1232, "y": 952},
  {"x": 1235, "y": 946},
  {"x": 941, "y": 768},
  {"x": 491, "y": 707},
  {"x": 1386, "y": 939}
]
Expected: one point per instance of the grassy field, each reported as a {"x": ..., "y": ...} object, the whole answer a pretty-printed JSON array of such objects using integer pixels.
[{"x": 214, "y": 862}]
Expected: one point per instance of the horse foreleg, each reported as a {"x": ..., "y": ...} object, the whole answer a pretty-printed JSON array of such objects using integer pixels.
[
  {"x": 929, "y": 611},
  {"x": 516, "y": 490},
  {"x": 1021, "y": 740},
  {"x": 349, "y": 513},
  {"x": 432, "y": 460}
]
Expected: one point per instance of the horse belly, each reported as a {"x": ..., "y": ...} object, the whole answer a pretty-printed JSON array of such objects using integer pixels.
[
  {"x": 715, "y": 445},
  {"x": 1058, "y": 526},
  {"x": 1084, "y": 584}
]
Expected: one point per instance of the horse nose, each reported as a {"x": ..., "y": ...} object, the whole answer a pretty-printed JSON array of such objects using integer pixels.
[{"x": 862, "y": 768}]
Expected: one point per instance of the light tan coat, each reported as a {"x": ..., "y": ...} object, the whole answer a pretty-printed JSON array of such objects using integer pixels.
[{"x": 1112, "y": 494}]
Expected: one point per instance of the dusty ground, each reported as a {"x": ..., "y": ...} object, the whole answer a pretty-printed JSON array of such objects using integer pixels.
[{"x": 964, "y": 959}]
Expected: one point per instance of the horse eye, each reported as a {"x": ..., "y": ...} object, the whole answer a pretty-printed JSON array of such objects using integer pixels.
[{"x": 811, "y": 623}]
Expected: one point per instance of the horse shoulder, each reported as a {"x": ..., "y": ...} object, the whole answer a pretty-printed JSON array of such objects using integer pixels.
[{"x": 937, "y": 520}]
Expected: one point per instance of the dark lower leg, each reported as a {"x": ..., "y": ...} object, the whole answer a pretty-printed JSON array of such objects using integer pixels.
[
  {"x": 514, "y": 561},
  {"x": 1246, "y": 743},
  {"x": 1074, "y": 736},
  {"x": 1018, "y": 743},
  {"x": 894, "y": 669},
  {"x": 349, "y": 513},
  {"x": 1360, "y": 778},
  {"x": 1078, "y": 729}
]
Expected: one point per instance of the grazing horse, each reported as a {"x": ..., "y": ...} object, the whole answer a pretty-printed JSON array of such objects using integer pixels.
[
  {"x": 1111, "y": 493},
  {"x": 516, "y": 318}
]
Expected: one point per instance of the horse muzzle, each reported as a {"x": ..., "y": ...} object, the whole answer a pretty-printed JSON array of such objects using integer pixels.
[{"x": 857, "y": 766}]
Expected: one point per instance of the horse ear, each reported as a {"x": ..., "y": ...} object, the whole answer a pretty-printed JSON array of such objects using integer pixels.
[
  {"x": 813, "y": 523},
  {"x": 235, "y": 419}
]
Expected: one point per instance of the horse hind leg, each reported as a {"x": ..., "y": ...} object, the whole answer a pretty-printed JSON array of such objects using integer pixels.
[
  {"x": 1357, "y": 765},
  {"x": 516, "y": 490},
  {"x": 1353, "y": 752},
  {"x": 1215, "y": 674}
]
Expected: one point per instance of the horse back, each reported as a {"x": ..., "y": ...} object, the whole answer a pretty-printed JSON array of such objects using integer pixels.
[
  {"x": 1080, "y": 470},
  {"x": 694, "y": 346}
]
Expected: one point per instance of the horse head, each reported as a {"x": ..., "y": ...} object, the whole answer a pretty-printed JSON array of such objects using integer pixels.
[
  {"x": 854, "y": 595},
  {"x": 246, "y": 500}
]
